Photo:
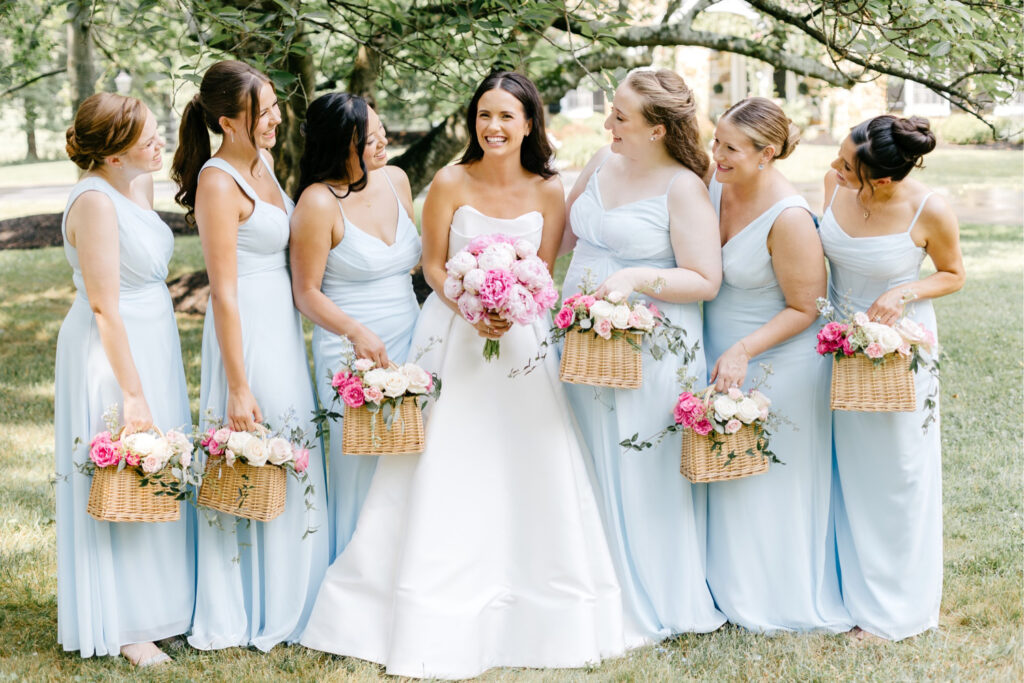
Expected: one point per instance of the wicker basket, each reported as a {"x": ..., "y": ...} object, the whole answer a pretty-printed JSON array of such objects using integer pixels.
[
  {"x": 589, "y": 359},
  {"x": 858, "y": 384},
  {"x": 264, "y": 498},
  {"x": 699, "y": 464},
  {"x": 117, "y": 497},
  {"x": 404, "y": 438}
]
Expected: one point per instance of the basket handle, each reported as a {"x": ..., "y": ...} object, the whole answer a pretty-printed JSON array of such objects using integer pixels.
[
  {"x": 121, "y": 434},
  {"x": 706, "y": 396}
]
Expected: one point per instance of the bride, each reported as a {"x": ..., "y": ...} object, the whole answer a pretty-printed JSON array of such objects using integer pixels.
[{"x": 486, "y": 550}]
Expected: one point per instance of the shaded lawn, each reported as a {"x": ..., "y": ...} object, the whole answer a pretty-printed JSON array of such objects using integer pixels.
[{"x": 980, "y": 634}]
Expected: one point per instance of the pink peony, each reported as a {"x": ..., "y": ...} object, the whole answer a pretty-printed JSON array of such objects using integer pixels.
[
  {"x": 571, "y": 300},
  {"x": 372, "y": 395},
  {"x": 874, "y": 350},
  {"x": 565, "y": 317},
  {"x": 703, "y": 427},
  {"x": 604, "y": 328},
  {"x": 453, "y": 288},
  {"x": 478, "y": 244},
  {"x": 520, "y": 306},
  {"x": 833, "y": 332},
  {"x": 471, "y": 308},
  {"x": 733, "y": 426},
  {"x": 546, "y": 298},
  {"x": 495, "y": 289},
  {"x": 586, "y": 301},
  {"x": 300, "y": 459},
  {"x": 340, "y": 379},
  {"x": 352, "y": 394},
  {"x": 533, "y": 273},
  {"x": 104, "y": 452}
]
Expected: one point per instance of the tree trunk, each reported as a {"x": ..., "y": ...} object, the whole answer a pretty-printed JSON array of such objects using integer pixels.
[
  {"x": 433, "y": 151},
  {"x": 288, "y": 151},
  {"x": 81, "y": 71},
  {"x": 30, "y": 130},
  {"x": 363, "y": 81}
]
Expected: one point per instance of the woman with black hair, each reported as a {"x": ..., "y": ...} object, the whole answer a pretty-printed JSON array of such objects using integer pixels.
[
  {"x": 877, "y": 228},
  {"x": 353, "y": 245},
  {"x": 487, "y": 550}
]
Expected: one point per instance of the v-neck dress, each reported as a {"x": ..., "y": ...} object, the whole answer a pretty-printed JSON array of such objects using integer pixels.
[
  {"x": 256, "y": 581},
  {"x": 771, "y": 547},
  {"x": 371, "y": 281},
  {"x": 888, "y": 488},
  {"x": 654, "y": 517},
  {"x": 106, "y": 571}
]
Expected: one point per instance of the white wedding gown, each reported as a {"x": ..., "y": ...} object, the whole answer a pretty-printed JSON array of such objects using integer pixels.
[{"x": 486, "y": 550}]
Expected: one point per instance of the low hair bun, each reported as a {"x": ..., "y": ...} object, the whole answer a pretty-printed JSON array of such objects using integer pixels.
[
  {"x": 913, "y": 136},
  {"x": 792, "y": 140},
  {"x": 74, "y": 150}
]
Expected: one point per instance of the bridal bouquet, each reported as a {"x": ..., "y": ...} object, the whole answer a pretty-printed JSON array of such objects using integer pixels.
[
  {"x": 873, "y": 363},
  {"x": 246, "y": 472},
  {"x": 396, "y": 393},
  {"x": 499, "y": 275}
]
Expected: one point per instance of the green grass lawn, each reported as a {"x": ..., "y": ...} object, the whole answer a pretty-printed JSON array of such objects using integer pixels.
[{"x": 981, "y": 619}]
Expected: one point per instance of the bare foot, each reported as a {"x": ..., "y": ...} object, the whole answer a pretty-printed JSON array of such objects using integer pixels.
[
  {"x": 861, "y": 636},
  {"x": 144, "y": 654}
]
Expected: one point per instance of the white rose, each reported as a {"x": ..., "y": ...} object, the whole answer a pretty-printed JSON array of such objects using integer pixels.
[
  {"x": 255, "y": 452},
  {"x": 376, "y": 378},
  {"x": 643, "y": 318},
  {"x": 151, "y": 463},
  {"x": 525, "y": 248},
  {"x": 395, "y": 384},
  {"x": 601, "y": 309},
  {"x": 237, "y": 441},
  {"x": 614, "y": 296},
  {"x": 472, "y": 280},
  {"x": 747, "y": 410},
  {"x": 140, "y": 443},
  {"x": 497, "y": 256},
  {"x": 460, "y": 264},
  {"x": 620, "y": 317},
  {"x": 873, "y": 330},
  {"x": 725, "y": 407},
  {"x": 886, "y": 337},
  {"x": 279, "y": 451},
  {"x": 178, "y": 442},
  {"x": 362, "y": 364},
  {"x": 419, "y": 379}
]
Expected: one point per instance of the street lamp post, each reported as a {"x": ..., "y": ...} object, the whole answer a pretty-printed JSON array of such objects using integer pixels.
[{"x": 123, "y": 82}]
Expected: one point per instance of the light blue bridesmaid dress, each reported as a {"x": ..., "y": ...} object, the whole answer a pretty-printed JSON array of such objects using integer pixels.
[
  {"x": 257, "y": 581},
  {"x": 369, "y": 280},
  {"x": 124, "y": 582},
  {"x": 771, "y": 547},
  {"x": 653, "y": 515},
  {"x": 888, "y": 486}
]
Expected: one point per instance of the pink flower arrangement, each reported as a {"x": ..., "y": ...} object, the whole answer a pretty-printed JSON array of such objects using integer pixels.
[
  {"x": 502, "y": 276},
  {"x": 604, "y": 316},
  {"x": 365, "y": 384},
  {"x": 257, "y": 448},
  {"x": 859, "y": 334}
]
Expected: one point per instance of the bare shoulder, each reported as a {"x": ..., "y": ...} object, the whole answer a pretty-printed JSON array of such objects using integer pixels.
[
  {"x": 686, "y": 185},
  {"x": 937, "y": 214},
  {"x": 830, "y": 182},
  {"x": 795, "y": 222},
  {"x": 397, "y": 175},
  {"x": 449, "y": 177},
  {"x": 92, "y": 203},
  {"x": 216, "y": 181},
  {"x": 316, "y": 198}
]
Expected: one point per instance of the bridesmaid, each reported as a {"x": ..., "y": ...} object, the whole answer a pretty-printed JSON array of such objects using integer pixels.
[
  {"x": 771, "y": 558},
  {"x": 256, "y": 581},
  {"x": 117, "y": 345},
  {"x": 877, "y": 229},
  {"x": 629, "y": 237},
  {"x": 353, "y": 245}
]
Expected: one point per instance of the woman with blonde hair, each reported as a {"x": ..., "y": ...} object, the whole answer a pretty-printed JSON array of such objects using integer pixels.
[
  {"x": 771, "y": 558},
  {"x": 117, "y": 346},
  {"x": 642, "y": 223}
]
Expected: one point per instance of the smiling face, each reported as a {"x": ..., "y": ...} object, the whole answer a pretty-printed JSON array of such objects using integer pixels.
[
  {"x": 375, "y": 153},
  {"x": 268, "y": 118},
  {"x": 736, "y": 157},
  {"x": 630, "y": 130},
  {"x": 145, "y": 153},
  {"x": 501, "y": 123},
  {"x": 845, "y": 165}
]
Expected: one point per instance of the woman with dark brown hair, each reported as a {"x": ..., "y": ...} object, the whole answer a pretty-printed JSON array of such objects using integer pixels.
[
  {"x": 120, "y": 586},
  {"x": 256, "y": 582}
]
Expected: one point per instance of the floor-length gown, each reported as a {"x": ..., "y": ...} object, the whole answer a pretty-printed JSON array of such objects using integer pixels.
[
  {"x": 107, "y": 571},
  {"x": 888, "y": 469},
  {"x": 654, "y": 517},
  {"x": 257, "y": 580},
  {"x": 771, "y": 547},
  {"x": 369, "y": 280},
  {"x": 487, "y": 549}
]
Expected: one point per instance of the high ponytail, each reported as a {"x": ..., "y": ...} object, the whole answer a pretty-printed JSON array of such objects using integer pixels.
[{"x": 193, "y": 151}]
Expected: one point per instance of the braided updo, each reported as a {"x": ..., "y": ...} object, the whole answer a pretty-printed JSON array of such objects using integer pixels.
[{"x": 105, "y": 124}]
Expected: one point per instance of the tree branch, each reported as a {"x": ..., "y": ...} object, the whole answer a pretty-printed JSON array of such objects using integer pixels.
[{"x": 25, "y": 84}]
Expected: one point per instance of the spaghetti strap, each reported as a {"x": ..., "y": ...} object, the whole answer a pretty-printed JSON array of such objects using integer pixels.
[
  {"x": 919, "y": 210},
  {"x": 835, "y": 191}
]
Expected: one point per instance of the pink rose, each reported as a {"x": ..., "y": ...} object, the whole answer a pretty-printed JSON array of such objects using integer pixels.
[
  {"x": 151, "y": 463},
  {"x": 604, "y": 328},
  {"x": 362, "y": 364},
  {"x": 733, "y": 426},
  {"x": 471, "y": 308},
  {"x": 352, "y": 394},
  {"x": 904, "y": 349},
  {"x": 571, "y": 300},
  {"x": 825, "y": 348},
  {"x": 131, "y": 458},
  {"x": 300, "y": 459},
  {"x": 340, "y": 379},
  {"x": 874, "y": 350},
  {"x": 832, "y": 332},
  {"x": 546, "y": 297},
  {"x": 703, "y": 427},
  {"x": 372, "y": 395},
  {"x": 565, "y": 317},
  {"x": 495, "y": 289},
  {"x": 654, "y": 310},
  {"x": 104, "y": 452}
]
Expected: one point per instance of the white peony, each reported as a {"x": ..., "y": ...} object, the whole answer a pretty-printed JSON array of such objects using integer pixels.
[
  {"x": 255, "y": 452},
  {"x": 886, "y": 337},
  {"x": 419, "y": 379},
  {"x": 279, "y": 451},
  {"x": 473, "y": 280},
  {"x": 498, "y": 256},
  {"x": 237, "y": 441},
  {"x": 376, "y": 378},
  {"x": 460, "y": 264},
  {"x": 601, "y": 309},
  {"x": 453, "y": 288},
  {"x": 620, "y": 317},
  {"x": 725, "y": 407},
  {"x": 747, "y": 410},
  {"x": 395, "y": 384},
  {"x": 140, "y": 443},
  {"x": 525, "y": 248}
]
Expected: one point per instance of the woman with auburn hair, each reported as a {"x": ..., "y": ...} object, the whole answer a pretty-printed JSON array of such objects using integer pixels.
[
  {"x": 117, "y": 346},
  {"x": 877, "y": 228},
  {"x": 642, "y": 223},
  {"x": 353, "y": 245},
  {"x": 771, "y": 559},
  {"x": 256, "y": 581}
]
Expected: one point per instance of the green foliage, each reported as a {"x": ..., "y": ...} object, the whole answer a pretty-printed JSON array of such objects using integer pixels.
[{"x": 963, "y": 129}]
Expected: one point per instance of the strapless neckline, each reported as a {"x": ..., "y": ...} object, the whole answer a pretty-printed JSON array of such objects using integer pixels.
[{"x": 495, "y": 218}]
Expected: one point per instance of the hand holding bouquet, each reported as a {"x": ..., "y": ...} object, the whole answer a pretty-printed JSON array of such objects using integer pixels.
[{"x": 500, "y": 276}]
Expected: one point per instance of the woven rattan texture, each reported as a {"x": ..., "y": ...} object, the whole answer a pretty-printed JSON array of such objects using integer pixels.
[
  {"x": 589, "y": 359},
  {"x": 699, "y": 464},
  {"x": 117, "y": 497},
  {"x": 859, "y": 385},
  {"x": 264, "y": 498},
  {"x": 404, "y": 438}
]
